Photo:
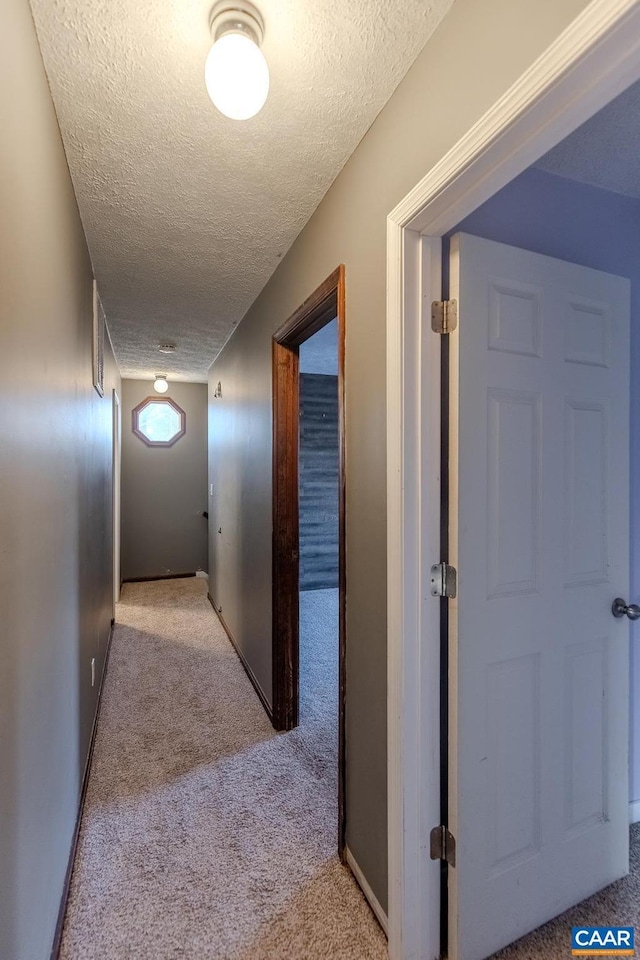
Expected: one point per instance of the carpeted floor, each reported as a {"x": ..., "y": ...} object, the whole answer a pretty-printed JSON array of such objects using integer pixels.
[
  {"x": 205, "y": 834},
  {"x": 616, "y": 905}
]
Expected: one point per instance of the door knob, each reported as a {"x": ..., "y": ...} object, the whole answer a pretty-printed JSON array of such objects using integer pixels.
[{"x": 619, "y": 608}]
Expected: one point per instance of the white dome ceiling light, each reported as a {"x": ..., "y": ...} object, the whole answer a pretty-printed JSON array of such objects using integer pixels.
[
  {"x": 236, "y": 73},
  {"x": 160, "y": 384}
]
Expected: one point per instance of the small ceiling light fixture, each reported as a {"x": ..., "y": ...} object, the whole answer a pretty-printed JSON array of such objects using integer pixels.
[
  {"x": 236, "y": 73},
  {"x": 160, "y": 384},
  {"x": 167, "y": 348}
]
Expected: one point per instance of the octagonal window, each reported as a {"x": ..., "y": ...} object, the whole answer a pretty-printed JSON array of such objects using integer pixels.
[{"x": 159, "y": 421}]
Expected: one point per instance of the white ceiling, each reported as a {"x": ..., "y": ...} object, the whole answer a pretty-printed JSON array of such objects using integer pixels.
[
  {"x": 187, "y": 213},
  {"x": 604, "y": 151}
]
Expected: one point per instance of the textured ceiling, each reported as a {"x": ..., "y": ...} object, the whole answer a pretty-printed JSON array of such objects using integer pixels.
[
  {"x": 604, "y": 151},
  {"x": 187, "y": 213}
]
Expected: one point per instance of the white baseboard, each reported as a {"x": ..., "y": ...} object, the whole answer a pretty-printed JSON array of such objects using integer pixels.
[
  {"x": 634, "y": 811},
  {"x": 368, "y": 892},
  {"x": 203, "y": 574}
]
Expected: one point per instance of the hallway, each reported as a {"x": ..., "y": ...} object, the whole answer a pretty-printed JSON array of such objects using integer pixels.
[{"x": 205, "y": 834}]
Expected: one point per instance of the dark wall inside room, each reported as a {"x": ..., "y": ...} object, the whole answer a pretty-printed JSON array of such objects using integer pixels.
[
  {"x": 318, "y": 471},
  {"x": 164, "y": 489}
]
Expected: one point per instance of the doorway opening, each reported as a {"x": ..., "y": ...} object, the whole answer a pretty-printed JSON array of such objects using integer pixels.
[
  {"x": 566, "y": 86},
  {"x": 539, "y": 533},
  {"x": 566, "y": 230},
  {"x": 309, "y": 582}
]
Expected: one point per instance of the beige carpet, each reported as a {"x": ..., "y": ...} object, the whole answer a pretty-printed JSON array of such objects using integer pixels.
[{"x": 205, "y": 834}]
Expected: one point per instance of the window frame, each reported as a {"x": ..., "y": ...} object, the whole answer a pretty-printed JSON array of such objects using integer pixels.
[{"x": 137, "y": 410}]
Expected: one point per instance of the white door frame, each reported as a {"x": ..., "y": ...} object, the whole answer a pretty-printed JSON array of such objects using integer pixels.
[{"x": 591, "y": 62}]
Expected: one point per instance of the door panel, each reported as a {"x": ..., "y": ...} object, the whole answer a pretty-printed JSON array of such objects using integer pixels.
[{"x": 539, "y": 438}]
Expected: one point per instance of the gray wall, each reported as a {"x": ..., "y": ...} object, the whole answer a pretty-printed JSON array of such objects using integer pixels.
[
  {"x": 55, "y": 500},
  {"x": 489, "y": 45},
  {"x": 164, "y": 489},
  {"x": 596, "y": 228}
]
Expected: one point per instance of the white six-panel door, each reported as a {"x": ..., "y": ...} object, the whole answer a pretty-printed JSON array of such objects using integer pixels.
[{"x": 539, "y": 506}]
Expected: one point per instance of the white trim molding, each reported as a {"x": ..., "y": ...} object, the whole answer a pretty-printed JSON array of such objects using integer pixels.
[
  {"x": 413, "y": 537},
  {"x": 592, "y": 61},
  {"x": 369, "y": 895}
]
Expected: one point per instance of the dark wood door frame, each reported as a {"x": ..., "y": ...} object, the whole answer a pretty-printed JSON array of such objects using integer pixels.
[{"x": 324, "y": 305}]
